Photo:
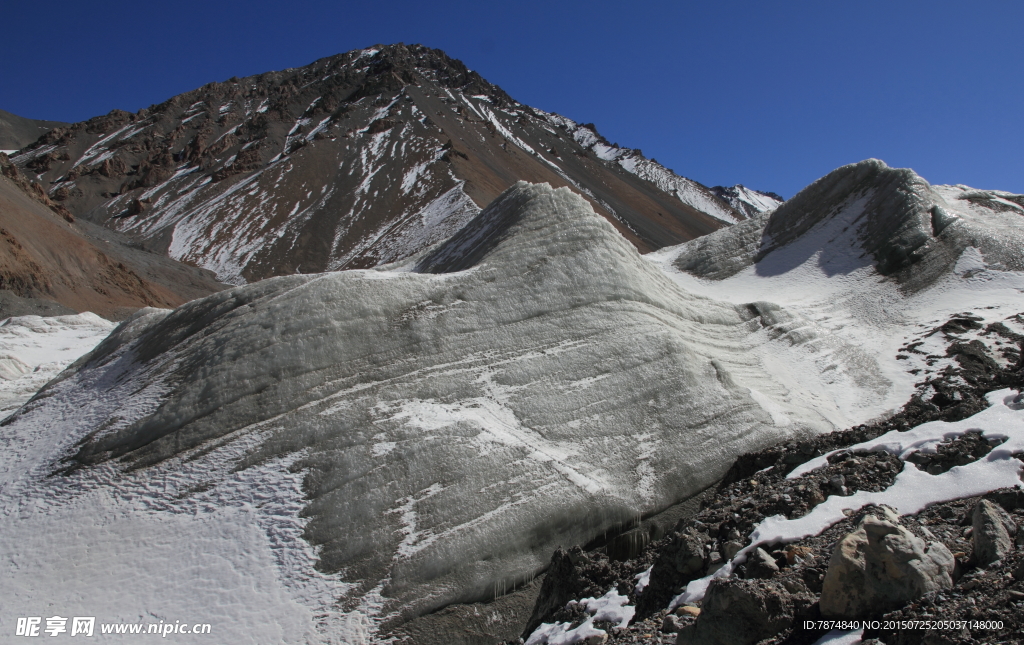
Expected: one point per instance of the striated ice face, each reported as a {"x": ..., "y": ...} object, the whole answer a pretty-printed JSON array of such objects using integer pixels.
[{"x": 453, "y": 427}]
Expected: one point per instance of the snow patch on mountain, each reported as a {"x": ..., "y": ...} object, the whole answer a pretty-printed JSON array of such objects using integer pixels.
[
  {"x": 685, "y": 190},
  {"x": 746, "y": 201}
]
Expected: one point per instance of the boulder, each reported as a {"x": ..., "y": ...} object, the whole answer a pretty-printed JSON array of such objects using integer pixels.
[
  {"x": 761, "y": 565},
  {"x": 671, "y": 624},
  {"x": 680, "y": 561},
  {"x": 731, "y": 548},
  {"x": 992, "y": 532},
  {"x": 740, "y": 612},
  {"x": 686, "y": 555},
  {"x": 881, "y": 566}
]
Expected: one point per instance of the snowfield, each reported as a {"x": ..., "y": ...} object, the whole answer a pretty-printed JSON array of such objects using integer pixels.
[
  {"x": 34, "y": 349},
  {"x": 317, "y": 458}
]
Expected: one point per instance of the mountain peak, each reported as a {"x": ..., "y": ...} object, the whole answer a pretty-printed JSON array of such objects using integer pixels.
[{"x": 358, "y": 159}]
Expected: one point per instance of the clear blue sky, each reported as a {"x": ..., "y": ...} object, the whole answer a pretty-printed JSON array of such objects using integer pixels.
[{"x": 768, "y": 94}]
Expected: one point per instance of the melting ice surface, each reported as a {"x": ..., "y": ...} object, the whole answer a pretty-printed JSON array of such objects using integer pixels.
[{"x": 391, "y": 439}]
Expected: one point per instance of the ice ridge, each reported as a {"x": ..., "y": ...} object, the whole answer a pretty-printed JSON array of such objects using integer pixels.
[{"x": 536, "y": 384}]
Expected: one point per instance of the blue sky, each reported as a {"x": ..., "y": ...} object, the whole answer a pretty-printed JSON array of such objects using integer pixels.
[{"x": 768, "y": 94}]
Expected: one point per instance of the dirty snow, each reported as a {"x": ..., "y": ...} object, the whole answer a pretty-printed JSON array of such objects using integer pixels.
[{"x": 611, "y": 607}]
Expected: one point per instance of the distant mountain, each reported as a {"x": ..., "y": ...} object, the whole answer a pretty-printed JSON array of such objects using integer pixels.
[
  {"x": 16, "y": 132},
  {"x": 747, "y": 201},
  {"x": 52, "y": 264},
  {"x": 355, "y": 160}
]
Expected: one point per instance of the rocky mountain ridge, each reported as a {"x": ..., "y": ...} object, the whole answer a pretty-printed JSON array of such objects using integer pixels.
[
  {"x": 51, "y": 263},
  {"x": 355, "y": 160},
  {"x": 16, "y": 132}
]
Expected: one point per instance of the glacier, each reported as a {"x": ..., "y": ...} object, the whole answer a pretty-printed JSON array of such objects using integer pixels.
[
  {"x": 367, "y": 446},
  {"x": 529, "y": 383}
]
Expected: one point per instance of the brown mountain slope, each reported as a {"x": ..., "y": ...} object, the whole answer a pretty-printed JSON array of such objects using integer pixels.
[
  {"x": 355, "y": 160},
  {"x": 45, "y": 259}
]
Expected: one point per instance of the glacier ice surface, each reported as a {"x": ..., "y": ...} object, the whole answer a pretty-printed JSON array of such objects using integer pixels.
[
  {"x": 424, "y": 433},
  {"x": 451, "y": 429}
]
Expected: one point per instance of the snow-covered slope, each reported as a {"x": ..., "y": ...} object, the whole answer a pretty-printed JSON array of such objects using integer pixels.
[
  {"x": 356, "y": 160},
  {"x": 34, "y": 349},
  {"x": 867, "y": 215},
  {"x": 433, "y": 434}
]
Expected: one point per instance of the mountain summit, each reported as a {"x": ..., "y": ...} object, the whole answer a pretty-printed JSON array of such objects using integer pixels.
[{"x": 355, "y": 160}]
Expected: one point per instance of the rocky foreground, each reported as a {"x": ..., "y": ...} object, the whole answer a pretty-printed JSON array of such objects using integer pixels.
[{"x": 953, "y": 573}]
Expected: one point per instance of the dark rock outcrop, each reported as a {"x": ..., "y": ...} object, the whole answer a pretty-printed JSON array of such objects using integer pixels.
[{"x": 740, "y": 612}]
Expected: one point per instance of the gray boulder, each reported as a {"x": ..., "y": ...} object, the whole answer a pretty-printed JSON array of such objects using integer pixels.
[
  {"x": 671, "y": 624},
  {"x": 740, "y": 612},
  {"x": 993, "y": 531},
  {"x": 687, "y": 554},
  {"x": 761, "y": 565},
  {"x": 881, "y": 566}
]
